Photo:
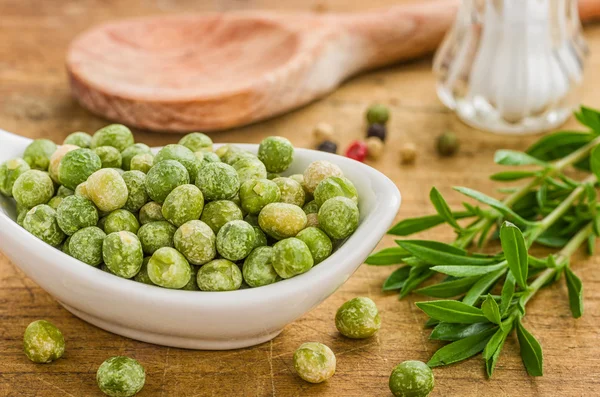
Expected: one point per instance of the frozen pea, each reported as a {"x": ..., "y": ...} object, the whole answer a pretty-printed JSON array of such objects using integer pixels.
[
  {"x": 43, "y": 342},
  {"x": 291, "y": 257},
  {"x": 249, "y": 168},
  {"x": 64, "y": 191},
  {"x": 115, "y": 135},
  {"x": 272, "y": 175},
  {"x": 358, "y": 318},
  {"x": 65, "y": 246},
  {"x": 120, "y": 220},
  {"x": 120, "y": 377},
  {"x": 314, "y": 362},
  {"x": 235, "y": 240},
  {"x": 184, "y": 203},
  {"x": 136, "y": 187},
  {"x": 277, "y": 153},
  {"x": 183, "y": 155},
  {"x": 338, "y": 217},
  {"x": 261, "y": 237},
  {"x": 86, "y": 245},
  {"x": 56, "y": 158},
  {"x": 163, "y": 177},
  {"x": 258, "y": 267},
  {"x": 255, "y": 194},
  {"x": 137, "y": 149},
  {"x": 107, "y": 189},
  {"x": 411, "y": 379},
  {"x": 38, "y": 154},
  {"x": 238, "y": 155},
  {"x": 122, "y": 253},
  {"x": 41, "y": 222},
  {"x": 281, "y": 220},
  {"x": 141, "y": 162},
  {"x": 169, "y": 268},
  {"x": 151, "y": 212},
  {"x": 155, "y": 235},
  {"x": 142, "y": 276},
  {"x": 74, "y": 213},
  {"x": 210, "y": 157},
  {"x": 300, "y": 179},
  {"x": 335, "y": 186},
  {"x": 192, "y": 285},
  {"x": 252, "y": 219},
  {"x": 197, "y": 142},
  {"x": 218, "y": 181},
  {"x": 317, "y": 171},
  {"x": 32, "y": 188},
  {"x": 311, "y": 207},
  {"x": 76, "y": 166},
  {"x": 217, "y": 213},
  {"x": 219, "y": 275},
  {"x": 55, "y": 202},
  {"x": 21, "y": 218},
  {"x": 81, "y": 191},
  {"x": 318, "y": 243},
  {"x": 312, "y": 220},
  {"x": 291, "y": 191},
  {"x": 227, "y": 151},
  {"x": 196, "y": 241},
  {"x": 81, "y": 139},
  {"x": 109, "y": 156},
  {"x": 9, "y": 172}
]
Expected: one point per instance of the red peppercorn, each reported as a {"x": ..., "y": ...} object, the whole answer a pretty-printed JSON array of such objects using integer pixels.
[{"x": 357, "y": 151}]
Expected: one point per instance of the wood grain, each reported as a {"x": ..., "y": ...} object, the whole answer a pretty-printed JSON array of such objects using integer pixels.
[{"x": 35, "y": 102}]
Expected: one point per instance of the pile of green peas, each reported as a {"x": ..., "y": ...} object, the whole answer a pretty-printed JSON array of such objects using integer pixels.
[{"x": 186, "y": 217}]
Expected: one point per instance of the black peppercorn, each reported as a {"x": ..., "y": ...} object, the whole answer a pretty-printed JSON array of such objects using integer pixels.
[
  {"x": 327, "y": 146},
  {"x": 377, "y": 130}
]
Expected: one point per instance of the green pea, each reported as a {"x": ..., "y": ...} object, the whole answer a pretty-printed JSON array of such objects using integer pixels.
[
  {"x": 9, "y": 172},
  {"x": 281, "y": 220},
  {"x": 258, "y": 267},
  {"x": 142, "y": 276},
  {"x": 184, "y": 203},
  {"x": 142, "y": 162},
  {"x": 56, "y": 158},
  {"x": 32, "y": 188},
  {"x": 81, "y": 139},
  {"x": 64, "y": 191},
  {"x": 311, "y": 207},
  {"x": 235, "y": 240},
  {"x": 358, "y": 318},
  {"x": 151, "y": 212},
  {"x": 121, "y": 377},
  {"x": 155, "y": 235},
  {"x": 43, "y": 342},
  {"x": 249, "y": 168},
  {"x": 335, "y": 186},
  {"x": 314, "y": 362},
  {"x": 55, "y": 202},
  {"x": 76, "y": 166},
  {"x": 291, "y": 191},
  {"x": 38, "y": 154},
  {"x": 318, "y": 243},
  {"x": 219, "y": 275},
  {"x": 197, "y": 142},
  {"x": 74, "y": 213},
  {"x": 107, "y": 189},
  {"x": 255, "y": 194},
  {"x": 277, "y": 153},
  {"x": 86, "y": 245},
  {"x": 183, "y": 155},
  {"x": 218, "y": 181},
  {"x": 109, "y": 156},
  {"x": 65, "y": 246},
  {"x": 217, "y": 213},
  {"x": 196, "y": 241},
  {"x": 192, "y": 285},
  {"x": 122, "y": 253},
  {"x": 136, "y": 187},
  {"x": 120, "y": 220},
  {"x": 377, "y": 114},
  {"x": 115, "y": 135},
  {"x": 137, "y": 149},
  {"x": 164, "y": 177},
  {"x": 41, "y": 222},
  {"x": 227, "y": 151},
  {"x": 411, "y": 379},
  {"x": 317, "y": 171},
  {"x": 169, "y": 268},
  {"x": 338, "y": 217},
  {"x": 261, "y": 237},
  {"x": 209, "y": 157},
  {"x": 291, "y": 257}
]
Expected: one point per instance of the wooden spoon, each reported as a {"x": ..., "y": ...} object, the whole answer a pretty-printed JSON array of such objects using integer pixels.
[{"x": 216, "y": 71}]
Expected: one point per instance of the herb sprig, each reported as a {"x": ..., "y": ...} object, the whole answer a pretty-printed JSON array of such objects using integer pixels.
[{"x": 549, "y": 209}]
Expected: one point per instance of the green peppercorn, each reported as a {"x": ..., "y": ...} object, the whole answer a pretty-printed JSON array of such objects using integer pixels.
[
  {"x": 377, "y": 114},
  {"x": 411, "y": 379},
  {"x": 447, "y": 144},
  {"x": 43, "y": 342}
]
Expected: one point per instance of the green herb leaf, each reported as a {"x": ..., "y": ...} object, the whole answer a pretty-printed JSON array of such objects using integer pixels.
[
  {"x": 591, "y": 245},
  {"x": 490, "y": 364},
  {"x": 552, "y": 241},
  {"x": 483, "y": 285},
  {"x": 515, "y": 252},
  {"x": 448, "y": 289},
  {"x": 508, "y": 291},
  {"x": 512, "y": 157},
  {"x": 531, "y": 351},
  {"x": 461, "y": 349},
  {"x": 496, "y": 340},
  {"x": 452, "y": 311},
  {"x": 396, "y": 280},
  {"x": 512, "y": 175},
  {"x": 442, "y": 208},
  {"x": 491, "y": 310},
  {"x": 410, "y": 226},
  {"x": 595, "y": 161},
  {"x": 418, "y": 274},
  {"x": 452, "y": 332},
  {"x": 468, "y": 271},
  {"x": 575, "y": 288},
  {"x": 492, "y": 202},
  {"x": 559, "y": 144},
  {"x": 388, "y": 256},
  {"x": 589, "y": 117},
  {"x": 442, "y": 254}
]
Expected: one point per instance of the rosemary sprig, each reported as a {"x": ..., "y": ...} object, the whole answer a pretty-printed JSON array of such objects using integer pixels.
[{"x": 551, "y": 209}]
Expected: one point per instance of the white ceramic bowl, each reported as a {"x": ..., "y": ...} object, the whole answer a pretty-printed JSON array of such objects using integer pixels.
[{"x": 192, "y": 319}]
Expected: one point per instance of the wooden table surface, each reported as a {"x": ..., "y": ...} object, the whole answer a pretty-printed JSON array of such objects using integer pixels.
[{"x": 35, "y": 102}]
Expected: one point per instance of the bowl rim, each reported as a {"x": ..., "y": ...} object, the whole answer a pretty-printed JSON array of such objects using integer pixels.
[{"x": 370, "y": 231}]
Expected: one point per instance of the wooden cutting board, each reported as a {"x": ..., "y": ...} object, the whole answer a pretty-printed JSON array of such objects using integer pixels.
[{"x": 217, "y": 71}]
